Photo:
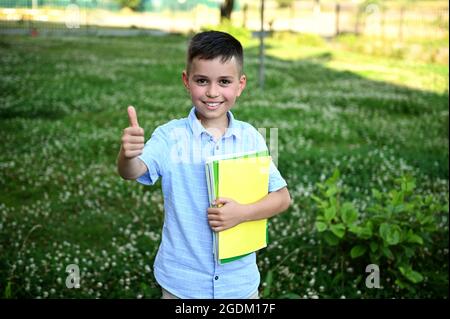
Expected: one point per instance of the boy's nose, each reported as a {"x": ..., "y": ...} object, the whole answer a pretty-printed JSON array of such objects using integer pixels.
[
  {"x": 212, "y": 96},
  {"x": 212, "y": 92}
]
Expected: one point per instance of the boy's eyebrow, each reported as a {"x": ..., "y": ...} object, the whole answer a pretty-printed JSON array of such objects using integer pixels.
[{"x": 220, "y": 77}]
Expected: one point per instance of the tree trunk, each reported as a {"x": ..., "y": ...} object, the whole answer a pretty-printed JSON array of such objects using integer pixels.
[{"x": 225, "y": 10}]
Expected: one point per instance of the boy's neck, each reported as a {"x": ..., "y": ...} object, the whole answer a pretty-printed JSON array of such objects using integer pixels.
[{"x": 216, "y": 127}]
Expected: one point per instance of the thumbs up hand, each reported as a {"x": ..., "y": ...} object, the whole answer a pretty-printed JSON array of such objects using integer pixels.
[{"x": 133, "y": 136}]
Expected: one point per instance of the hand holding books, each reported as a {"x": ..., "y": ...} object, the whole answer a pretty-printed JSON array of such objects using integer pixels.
[{"x": 227, "y": 213}]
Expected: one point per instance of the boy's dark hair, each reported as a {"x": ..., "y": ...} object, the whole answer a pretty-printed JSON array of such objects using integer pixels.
[{"x": 209, "y": 45}]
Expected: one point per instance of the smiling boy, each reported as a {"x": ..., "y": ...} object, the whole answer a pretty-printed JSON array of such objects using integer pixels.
[{"x": 185, "y": 266}]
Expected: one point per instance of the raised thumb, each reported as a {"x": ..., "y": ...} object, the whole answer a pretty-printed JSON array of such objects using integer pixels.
[{"x": 132, "y": 117}]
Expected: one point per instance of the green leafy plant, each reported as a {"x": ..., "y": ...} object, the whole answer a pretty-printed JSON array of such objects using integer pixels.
[{"x": 396, "y": 228}]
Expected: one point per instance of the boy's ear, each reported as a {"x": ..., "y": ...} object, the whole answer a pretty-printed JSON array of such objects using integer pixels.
[
  {"x": 185, "y": 79},
  {"x": 242, "y": 84}
]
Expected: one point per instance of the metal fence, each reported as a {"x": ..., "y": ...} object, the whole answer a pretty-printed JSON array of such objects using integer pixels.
[
  {"x": 389, "y": 19},
  {"x": 144, "y": 5},
  {"x": 385, "y": 19}
]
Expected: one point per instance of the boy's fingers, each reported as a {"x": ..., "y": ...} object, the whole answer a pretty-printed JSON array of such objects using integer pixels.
[
  {"x": 133, "y": 139},
  {"x": 214, "y": 224},
  {"x": 213, "y": 210},
  {"x": 214, "y": 217},
  {"x": 135, "y": 147},
  {"x": 132, "y": 154},
  {"x": 134, "y": 131},
  {"x": 132, "y": 117}
]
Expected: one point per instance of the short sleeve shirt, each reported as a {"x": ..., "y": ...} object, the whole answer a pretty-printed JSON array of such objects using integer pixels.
[{"x": 185, "y": 265}]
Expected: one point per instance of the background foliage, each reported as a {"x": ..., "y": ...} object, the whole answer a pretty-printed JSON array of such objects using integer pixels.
[{"x": 381, "y": 121}]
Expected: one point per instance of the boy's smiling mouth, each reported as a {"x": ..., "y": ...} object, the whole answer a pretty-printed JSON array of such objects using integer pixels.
[{"x": 212, "y": 105}]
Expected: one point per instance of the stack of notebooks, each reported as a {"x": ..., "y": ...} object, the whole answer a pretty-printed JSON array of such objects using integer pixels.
[{"x": 243, "y": 177}]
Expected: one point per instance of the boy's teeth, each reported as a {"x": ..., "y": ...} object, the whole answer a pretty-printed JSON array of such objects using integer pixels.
[{"x": 213, "y": 104}]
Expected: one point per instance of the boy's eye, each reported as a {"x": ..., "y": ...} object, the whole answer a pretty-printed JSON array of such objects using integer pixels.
[
  {"x": 201, "y": 81},
  {"x": 225, "y": 82}
]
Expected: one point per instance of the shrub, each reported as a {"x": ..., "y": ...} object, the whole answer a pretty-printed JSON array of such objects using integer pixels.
[
  {"x": 396, "y": 230},
  {"x": 242, "y": 34}
]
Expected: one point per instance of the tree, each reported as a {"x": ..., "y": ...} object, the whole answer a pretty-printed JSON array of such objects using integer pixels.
[
  {"x": 284, "y": 3},
  {"x": 132, "y": 4},
  {"x": 225, "y": 10}
]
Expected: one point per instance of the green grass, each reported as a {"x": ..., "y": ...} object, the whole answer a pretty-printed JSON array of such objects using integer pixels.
[{"x": 62, "y": 110}]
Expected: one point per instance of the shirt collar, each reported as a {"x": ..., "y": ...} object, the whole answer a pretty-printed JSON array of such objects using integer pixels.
[{"x": 198, "y": 129}]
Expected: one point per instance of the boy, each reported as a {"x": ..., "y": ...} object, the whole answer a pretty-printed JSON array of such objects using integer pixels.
[{"x": 184, "y": 265}]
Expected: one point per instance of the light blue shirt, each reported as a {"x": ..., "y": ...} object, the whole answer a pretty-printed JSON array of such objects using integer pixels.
[{"x": 185, "y": 265}]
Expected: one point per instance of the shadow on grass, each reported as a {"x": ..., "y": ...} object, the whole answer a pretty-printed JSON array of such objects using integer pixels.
[
  {"x": 91, "y": 78},
  {"x": 51, "y": 78}
]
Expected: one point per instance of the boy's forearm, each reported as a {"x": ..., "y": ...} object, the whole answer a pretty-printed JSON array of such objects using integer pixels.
[
  {"x": 271, "y": 205},
  {"x": 129, "y": 168}
]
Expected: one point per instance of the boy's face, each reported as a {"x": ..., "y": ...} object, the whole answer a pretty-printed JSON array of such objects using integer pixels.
[{"x": 214, "y": 86}]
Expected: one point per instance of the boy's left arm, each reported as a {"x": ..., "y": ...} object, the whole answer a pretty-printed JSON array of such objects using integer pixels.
[{"x": 233, "y": 213}]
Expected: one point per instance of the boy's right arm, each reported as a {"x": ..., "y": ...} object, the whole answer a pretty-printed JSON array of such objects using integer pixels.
[{"x": 129, "y": 165}]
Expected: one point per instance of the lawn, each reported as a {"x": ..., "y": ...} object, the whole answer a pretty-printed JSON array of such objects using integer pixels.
[{"x": 62, "y": 111}]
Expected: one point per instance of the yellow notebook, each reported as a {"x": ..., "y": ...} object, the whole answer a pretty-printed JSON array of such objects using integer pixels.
[
  {"x": 245, "y": 180},
  {"x": 244, "y": 177}
]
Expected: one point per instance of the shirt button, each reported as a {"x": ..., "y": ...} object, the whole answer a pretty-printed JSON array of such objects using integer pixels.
[
  {"x": 217, "y": 147},
  {"x": 217, "y": 277}
]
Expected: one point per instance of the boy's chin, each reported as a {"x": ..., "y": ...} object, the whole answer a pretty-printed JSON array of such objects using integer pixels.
[
  {"x": 206, "y": 113},
  {"x": 212, "y": 110}
]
